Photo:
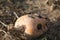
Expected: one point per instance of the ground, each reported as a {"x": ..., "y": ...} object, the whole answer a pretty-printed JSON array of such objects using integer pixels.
[{"x": 46, "y": 8}]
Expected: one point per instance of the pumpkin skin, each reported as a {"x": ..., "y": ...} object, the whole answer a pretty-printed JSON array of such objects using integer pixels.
[{"x": 30, "y": 24}]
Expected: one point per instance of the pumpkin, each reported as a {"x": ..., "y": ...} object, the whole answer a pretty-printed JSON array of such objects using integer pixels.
[{"x": 33, "y": 25}]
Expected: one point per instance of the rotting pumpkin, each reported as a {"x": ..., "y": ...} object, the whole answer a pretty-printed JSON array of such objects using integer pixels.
[{"x": 34, "y": 26}]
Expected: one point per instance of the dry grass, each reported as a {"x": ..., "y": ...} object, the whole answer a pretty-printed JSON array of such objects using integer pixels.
[{"x": 10, "y": 10}]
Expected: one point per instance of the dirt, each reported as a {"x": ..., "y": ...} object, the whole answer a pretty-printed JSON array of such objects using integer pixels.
[{"x": 46, "y": 8}]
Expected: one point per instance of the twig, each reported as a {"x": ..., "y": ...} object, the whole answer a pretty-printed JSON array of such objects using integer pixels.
[
  {"x": 3, "y": 31},
  {"x": 16, "y": 15},
  {"x": 3, "y": 24}
]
